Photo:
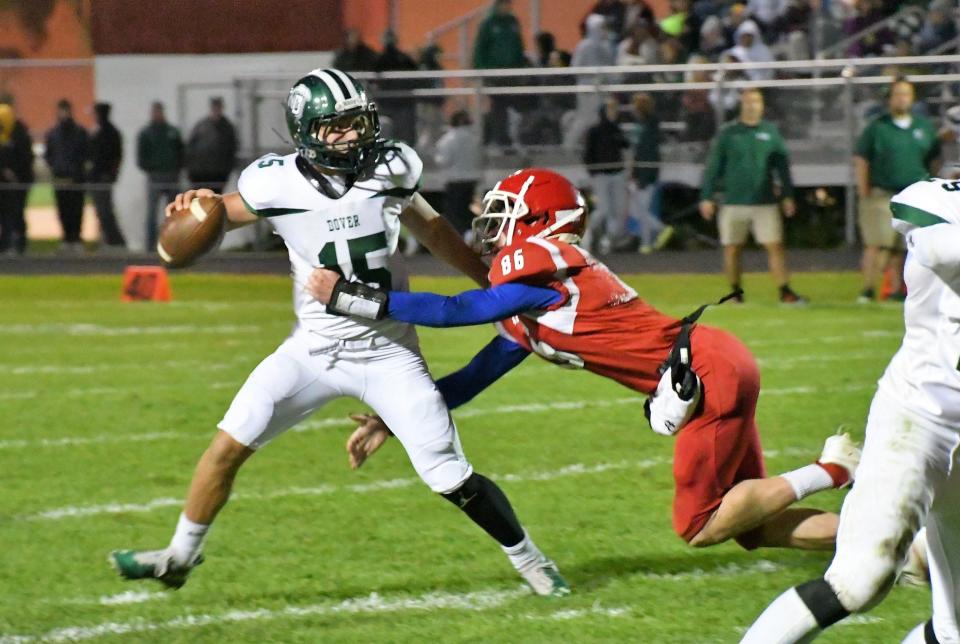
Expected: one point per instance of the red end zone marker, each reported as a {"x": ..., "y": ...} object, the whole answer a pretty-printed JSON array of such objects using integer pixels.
[{"x": 145, "y": 284}]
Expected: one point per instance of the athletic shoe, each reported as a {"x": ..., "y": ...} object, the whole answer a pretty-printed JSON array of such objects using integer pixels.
[
  {"x": 866, "y": 296},
  {"x": 840, "y": 449},
  {"x": 152, "y": 564},
  {"x": 664, "y": 238},
  {"x": 545, "y": 579},
  {"x": 789, "y": 296},
  {"x": 916, "y": 572}
]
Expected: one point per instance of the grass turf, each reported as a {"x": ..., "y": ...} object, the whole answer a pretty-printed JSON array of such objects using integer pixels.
[{"x": 104, "y": 404}]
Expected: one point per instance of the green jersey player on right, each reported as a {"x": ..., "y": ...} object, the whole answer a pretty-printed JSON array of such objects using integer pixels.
[
  {"x": 338, "y": 202},
  {"x": 909, "y": 474}
]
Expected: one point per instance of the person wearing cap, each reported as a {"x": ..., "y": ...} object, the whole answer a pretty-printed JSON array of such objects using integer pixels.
[
  {"x": 212, "y": 149},
  {"x": 159, "y": 154},
  {"x": 895, "y": 150},
  {"x": 16, "y": 175},
  {"x": 67, "y": 147},
  {"x": 106, "y": 152}
]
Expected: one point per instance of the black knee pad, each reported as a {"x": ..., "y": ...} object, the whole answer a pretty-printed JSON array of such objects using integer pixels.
[
  {"x": 473, "y": 488},
  {"x": 819, "y": 597}
]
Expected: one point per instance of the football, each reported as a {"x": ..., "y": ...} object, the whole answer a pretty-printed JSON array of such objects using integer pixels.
[{"x": 190, "y": 232}]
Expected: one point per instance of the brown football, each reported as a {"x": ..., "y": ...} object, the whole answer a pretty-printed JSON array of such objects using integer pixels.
[{"x": 189, "y": 233}]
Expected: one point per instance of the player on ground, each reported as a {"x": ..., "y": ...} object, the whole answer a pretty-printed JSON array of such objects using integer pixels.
[
  {"x": 338, "y": 201},
  {"x": 909, "y": 475},
  {"x": 570, "y": 309}
]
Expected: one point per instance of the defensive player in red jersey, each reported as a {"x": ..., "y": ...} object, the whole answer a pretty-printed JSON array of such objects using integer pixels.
[{"x": 552, "y": 298}]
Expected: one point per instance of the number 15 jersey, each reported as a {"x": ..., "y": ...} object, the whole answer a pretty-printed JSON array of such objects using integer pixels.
[{"x": 355, "y": 235}]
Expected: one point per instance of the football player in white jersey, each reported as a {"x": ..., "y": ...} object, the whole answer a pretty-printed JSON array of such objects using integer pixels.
[
  {"x": 338, "y": 202},
  {"x": 908, "y": 475}
]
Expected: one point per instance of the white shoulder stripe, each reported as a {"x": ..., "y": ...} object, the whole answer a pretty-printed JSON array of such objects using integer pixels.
[{"x": 555, "y": 253}]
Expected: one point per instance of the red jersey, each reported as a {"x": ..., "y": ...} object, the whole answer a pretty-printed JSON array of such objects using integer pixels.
[{"x": 599, "y": 324}]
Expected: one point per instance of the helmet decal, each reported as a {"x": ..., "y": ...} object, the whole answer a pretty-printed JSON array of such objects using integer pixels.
[{"x": 297, "y": 100}]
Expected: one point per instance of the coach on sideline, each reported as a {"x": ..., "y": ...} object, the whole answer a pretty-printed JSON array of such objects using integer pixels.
[
  {"x": 895, "y": 150},
  {"x": 744, "y": 156}
]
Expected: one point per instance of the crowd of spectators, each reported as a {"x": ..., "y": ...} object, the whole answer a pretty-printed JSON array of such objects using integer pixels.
[{"x": 85, "y": 163}]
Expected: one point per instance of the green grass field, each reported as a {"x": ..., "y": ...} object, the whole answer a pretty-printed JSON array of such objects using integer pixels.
[{"x": 105, "y": 407}]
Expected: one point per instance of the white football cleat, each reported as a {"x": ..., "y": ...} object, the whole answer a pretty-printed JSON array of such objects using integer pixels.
[
  {"x": 916, "y": 572},
  {"x": 545, "y": 579},
  {"x": 840, "y": 449}
]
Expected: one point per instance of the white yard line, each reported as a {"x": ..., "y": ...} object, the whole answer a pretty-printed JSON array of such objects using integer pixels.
[
  {"x": 825, "y": 339},
  {"x": 771, "y": 362},
  {"x": 69, "y": 441},
  {"x": 83, "y": 329},
  {"x": 368, "y": 604},
  {"x": 142, "y": 365},
  {"x": 324, "y": 423},
  {"x": 575, "y": 469}
]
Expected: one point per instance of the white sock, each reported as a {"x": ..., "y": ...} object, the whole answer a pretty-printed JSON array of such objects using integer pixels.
[
  {"x": 524, "y": 554},
  {"x": 786, "y": 621},
  {"x": 187, "y": 540},
  {"x": 916, "y": 636},
  {"x": 808, "y": 479}
]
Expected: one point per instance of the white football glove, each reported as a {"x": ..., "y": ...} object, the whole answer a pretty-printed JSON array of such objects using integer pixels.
[{"x": 675, "y": 401}]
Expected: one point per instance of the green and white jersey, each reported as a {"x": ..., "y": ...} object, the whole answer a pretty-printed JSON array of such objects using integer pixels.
[
  {"x": 355, "y": 235},
  {"x": 924, "y": 375}
]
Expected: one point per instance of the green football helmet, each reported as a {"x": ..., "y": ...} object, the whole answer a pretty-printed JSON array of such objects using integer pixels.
[{"x": 329, "y": 101}]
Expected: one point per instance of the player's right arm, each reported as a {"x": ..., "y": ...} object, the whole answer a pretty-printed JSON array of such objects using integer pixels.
[{"x": 237, "y": 213}]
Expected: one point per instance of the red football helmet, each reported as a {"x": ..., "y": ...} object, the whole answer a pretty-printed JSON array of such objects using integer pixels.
[{"x": 533, "y": 202}]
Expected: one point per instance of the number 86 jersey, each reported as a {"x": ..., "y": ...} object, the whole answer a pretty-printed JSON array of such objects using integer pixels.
[
  {"x": 599, "y": 324},
  {"x": 355, "y": 235}
]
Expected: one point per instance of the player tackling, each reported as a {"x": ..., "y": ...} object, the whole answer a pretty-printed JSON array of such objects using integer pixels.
[
  {"x": 339, "y": 201},
  {"x": 909, "y": 475},
  {"x": 554, "y": 299}
]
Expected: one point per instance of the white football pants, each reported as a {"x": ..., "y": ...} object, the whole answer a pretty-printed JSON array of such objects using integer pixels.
[
  {"x": 907, "y": 478},
  {"x": 308, "y": 370}
]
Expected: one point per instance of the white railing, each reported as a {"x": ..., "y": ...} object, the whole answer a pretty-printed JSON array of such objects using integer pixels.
[{"x": 833, "y": 85}]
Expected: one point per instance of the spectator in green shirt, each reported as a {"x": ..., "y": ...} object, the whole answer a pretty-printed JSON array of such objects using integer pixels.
[
  {"x": 745, "y": 156},
  {"x": 895, "y": 150},
  {"x": 499, "y": 45},
  {"x": 160, "y": 155}
]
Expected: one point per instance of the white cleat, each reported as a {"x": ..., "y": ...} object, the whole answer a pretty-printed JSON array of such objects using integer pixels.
[
  {"x": 545, "y": 579},
  {"x": 916, "y": 572},
  {"x": 840, "y": 449}
]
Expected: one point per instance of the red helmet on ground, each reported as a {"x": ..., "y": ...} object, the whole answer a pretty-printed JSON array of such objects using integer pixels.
[{"x": 533, "y": 202}]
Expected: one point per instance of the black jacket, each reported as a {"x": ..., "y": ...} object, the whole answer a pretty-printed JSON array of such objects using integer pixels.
[
  {"x": 212, "y": 148},
  {"x": 106, "y": 152},
  {"x": 605, "y": 144},
  {"x": 67, "y": 150},
  {"x": 17, "y": 155}
]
